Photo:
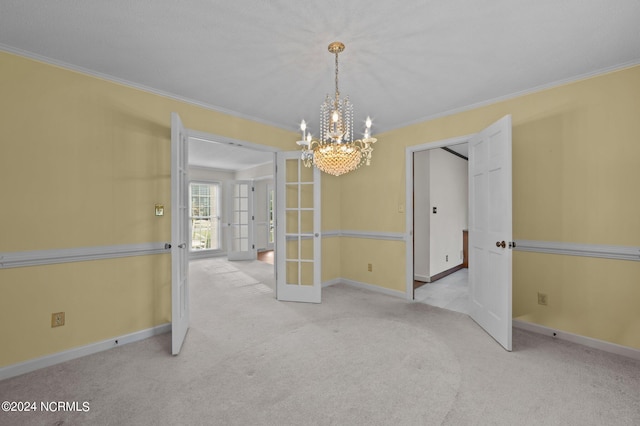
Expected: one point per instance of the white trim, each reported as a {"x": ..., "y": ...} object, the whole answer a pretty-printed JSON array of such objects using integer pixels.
[
  {"x": 331, "y": 282},
  {"x": 57, "y": 358},
  {"x": 331, "y": 234},
  {"x": 133, "y": 85},
  {"x": 209, "y": 169},
  {"x": 576, "y": 338},
  {"x": 206, "y": 254},
  {"x": 578, "y": 249},
  {"x": 46, "y": 257},
  {"x": 536, "y": 89},
  {"x": 364, "y": 286},
  {"x": 422, "y": 278},
  {"x": 215, "y": 138},
  {"x": 374, "y": 235},
  {"x": 453, "y": 111}
]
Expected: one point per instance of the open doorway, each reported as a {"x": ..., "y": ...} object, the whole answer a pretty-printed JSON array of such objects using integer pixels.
[
  {"x": 489, "y": 227},
  {"x": 440, "y": 222},
  {"x": 242, "y": 177},
  {"x": 421, "y": 270}
]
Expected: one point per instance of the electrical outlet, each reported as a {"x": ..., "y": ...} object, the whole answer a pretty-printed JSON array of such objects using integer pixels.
[
  {"x": 369, "y": 267},
  {"x": 57, "y": 319},
  {"x": 542, "y": 299}
]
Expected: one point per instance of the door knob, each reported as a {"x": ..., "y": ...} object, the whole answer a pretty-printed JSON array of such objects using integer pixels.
[
  {"x": 183, "y": 245},
  {"x": 501, "y": 244}
]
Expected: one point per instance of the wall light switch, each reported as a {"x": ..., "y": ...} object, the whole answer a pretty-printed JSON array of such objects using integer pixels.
[{"x": 159, "y": 210}]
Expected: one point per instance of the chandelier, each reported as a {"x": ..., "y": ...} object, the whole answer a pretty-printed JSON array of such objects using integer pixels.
[{"x": 336, "y": 152}]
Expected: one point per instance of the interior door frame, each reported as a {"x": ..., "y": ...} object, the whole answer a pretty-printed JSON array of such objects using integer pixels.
[
  {"x": 496, "y": 321},
  {"x": 214, "y": 138},
  {"x": 409, "y": 266}
]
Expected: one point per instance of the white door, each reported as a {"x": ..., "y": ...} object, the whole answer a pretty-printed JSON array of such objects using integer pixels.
[
  {"x": 298, "y": 241},
  {"x": 240, "y": 223},
  {"x": 490, "y": 230},
  {"x": 271, "y": 217},
  {"x": 179, "y": 234}
]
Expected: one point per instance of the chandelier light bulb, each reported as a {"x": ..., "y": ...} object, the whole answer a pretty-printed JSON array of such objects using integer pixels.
[{"x": 303, "y": 126}]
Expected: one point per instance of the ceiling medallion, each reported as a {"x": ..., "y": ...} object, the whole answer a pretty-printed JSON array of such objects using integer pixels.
[{"x": 336, "y": 152}]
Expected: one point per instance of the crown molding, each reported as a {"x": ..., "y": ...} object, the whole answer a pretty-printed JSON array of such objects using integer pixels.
[
  {"x": 518, "y": 94},
  {"x": 121, "y": 81}
]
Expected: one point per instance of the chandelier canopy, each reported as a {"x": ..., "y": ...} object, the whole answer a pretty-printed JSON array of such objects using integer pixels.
[{"x": 335, "y": 151}]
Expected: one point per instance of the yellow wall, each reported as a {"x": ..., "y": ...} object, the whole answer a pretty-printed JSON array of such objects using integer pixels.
[
  {"x": 83, "y": 161},
  {"x": 576, "y": 167},
  {"x": 591, "y": 297},
  {"x": 101, "y": 300},
  {"x": 331, "y": 253}
]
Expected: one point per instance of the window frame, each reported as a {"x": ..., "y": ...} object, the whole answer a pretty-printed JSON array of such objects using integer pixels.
[{"x": 214, "y": 219}]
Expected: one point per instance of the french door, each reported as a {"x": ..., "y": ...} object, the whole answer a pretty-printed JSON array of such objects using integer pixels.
[
  {"x": 240, "y": 235},
  {"x": 298, "y": 240},
  {"x": 179, "y": 234}
]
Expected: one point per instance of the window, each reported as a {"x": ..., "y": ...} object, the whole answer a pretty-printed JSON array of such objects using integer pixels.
[{"x": 205, "y": 216}]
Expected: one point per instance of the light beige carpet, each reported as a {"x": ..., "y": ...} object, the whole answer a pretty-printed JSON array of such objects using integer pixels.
[{"x": 359, "y": 358}]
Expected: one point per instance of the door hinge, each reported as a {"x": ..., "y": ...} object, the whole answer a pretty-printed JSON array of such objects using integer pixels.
[
  {"x": 512, "y": 244},
  {"x": 253, "y": 246},
  {"x": 252, "y": 189}
]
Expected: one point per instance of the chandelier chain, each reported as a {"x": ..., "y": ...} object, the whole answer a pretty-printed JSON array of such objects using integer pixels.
[{"x": 337, "y": 91}]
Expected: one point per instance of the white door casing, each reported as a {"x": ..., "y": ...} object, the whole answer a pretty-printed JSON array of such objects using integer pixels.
[
  {"x": 179, "y": 234},
  {"x": 298, "y": 239},
  {"x": 240, "y": 235},
  {"x": 490, "y": 230}
]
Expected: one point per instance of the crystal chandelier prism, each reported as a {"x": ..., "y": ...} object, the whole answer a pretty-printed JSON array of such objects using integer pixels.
[{"x": 336, "y": 152}]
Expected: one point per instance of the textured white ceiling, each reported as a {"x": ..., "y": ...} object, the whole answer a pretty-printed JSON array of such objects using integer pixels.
[
  {"x": 223, "y": 156},
  {"x": 267, "y": 60}
]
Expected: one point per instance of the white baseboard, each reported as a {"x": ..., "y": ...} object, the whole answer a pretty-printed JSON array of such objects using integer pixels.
[
  {"x": 421, "y": 278},
  {"x": 331, "y": 282},
  {"x": 576, "y": 338},
  {"x": 49, "y": 360},
  {"x": 365, "y": 286}
]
